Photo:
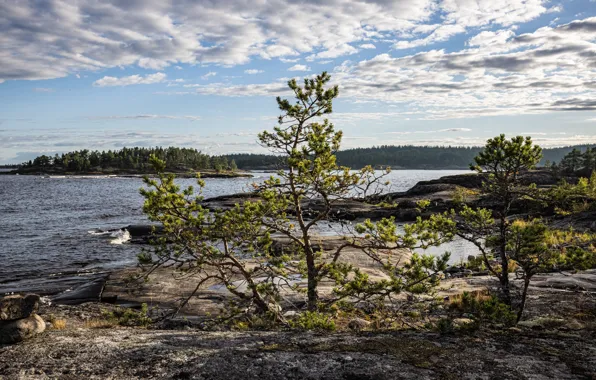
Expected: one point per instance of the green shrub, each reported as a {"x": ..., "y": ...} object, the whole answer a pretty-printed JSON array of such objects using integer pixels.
[
  {"x": 487, "y": 309},
  {"x": 445, "y": 326},
  {"x": 312, "y": 320},
  {"x": 129, "y": 317},
  {"x": 461, "y": 195},
  {"x": 475, "y": 263}
]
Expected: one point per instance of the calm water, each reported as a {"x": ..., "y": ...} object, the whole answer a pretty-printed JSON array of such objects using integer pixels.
[{"x": 49, "y": 239}]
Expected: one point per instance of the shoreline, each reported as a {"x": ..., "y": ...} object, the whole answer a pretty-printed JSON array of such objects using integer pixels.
[
  {"x": 553, "y": 341},
  {"x": 401, "y": 205},
  {"x": 132, "y": 175}
]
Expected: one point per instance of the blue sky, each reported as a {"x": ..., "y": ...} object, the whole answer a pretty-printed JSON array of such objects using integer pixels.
[{"x": 204, "y": 74}]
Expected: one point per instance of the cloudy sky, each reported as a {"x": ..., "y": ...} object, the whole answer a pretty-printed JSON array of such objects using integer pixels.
[{"x": 107, "y": 74}]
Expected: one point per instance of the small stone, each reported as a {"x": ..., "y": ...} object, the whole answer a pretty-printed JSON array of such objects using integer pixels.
[
  {"x": 21, "y": 329},
  {"x": 358, "y": 324},
  {"x": 290, "y": 314},
  {"x": 461, "y": 322},
  {"x": 18, "y": 307}
]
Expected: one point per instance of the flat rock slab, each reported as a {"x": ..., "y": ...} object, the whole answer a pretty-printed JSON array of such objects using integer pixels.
[
  {"x": 169, "y": 354},
  {"x": 17, "y": 307},
  {"x": 585, "y": 281},
  {"x": 21, "y": 329},
  {"x": 89, "y": 292}
]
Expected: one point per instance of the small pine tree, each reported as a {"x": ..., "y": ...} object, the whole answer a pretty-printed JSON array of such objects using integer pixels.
[
  {"x": 502, "y": 160},
  {"x": 572, "y": 162}
]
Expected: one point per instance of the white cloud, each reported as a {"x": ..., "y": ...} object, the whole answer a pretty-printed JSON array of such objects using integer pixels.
[
  {"x": 64, "y": 38},
  {"x": 219, "y": 89},
  {"x": 253, "y": 71},
  {"x": 367, "y": 46},
  {"x": 551, "y": 69},
  {"x": 442, "y": 33},
  {"x": 153, "y": 64},
  {"x": 289, "y": 60},
  {"x": 209, "y": 74},
  {"x": 108, "y": 81},
  {"x": 333, "y": 52},
  {"x": 299, "y": 68},
  {"x": 487, "y": 38},
  {"x": 431, "y": 131}
]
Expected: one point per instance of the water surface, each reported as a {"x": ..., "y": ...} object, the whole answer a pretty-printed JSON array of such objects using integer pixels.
[{"x": 49, "y": 239}]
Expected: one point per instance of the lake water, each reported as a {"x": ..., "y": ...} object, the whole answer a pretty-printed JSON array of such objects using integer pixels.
[{"x": 49, "y": 239}]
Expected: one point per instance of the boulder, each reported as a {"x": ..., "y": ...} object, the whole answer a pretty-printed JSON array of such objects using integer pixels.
[
  {"x": 21, "y": 329},
  {"x": 142, "y": 230},
  {"x": 357, "y": 324},
  {"x": 89, "y": 292},
  {"x": 462, "y": 322},
  {"x": 18, "y": 307}
]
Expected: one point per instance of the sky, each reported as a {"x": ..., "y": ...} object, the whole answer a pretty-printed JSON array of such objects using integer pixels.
[{"x": 90, "y": 74}]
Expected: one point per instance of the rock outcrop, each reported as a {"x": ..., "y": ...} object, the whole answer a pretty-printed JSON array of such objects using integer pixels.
[
  {"x": 18, "y": 320},
  {"x": 18, "y": 307}
]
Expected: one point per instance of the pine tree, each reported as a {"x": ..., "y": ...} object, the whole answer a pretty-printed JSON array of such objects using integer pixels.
[
  {"x": 216, "y": 245},
  {"x": 501, "y": 161}
]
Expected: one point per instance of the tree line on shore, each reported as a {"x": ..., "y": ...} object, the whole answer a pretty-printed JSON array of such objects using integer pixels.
[
  {"x": 576, "y": 161},
  {"x": 128, "y": 159},
  {"x": 399, "y": 157}
]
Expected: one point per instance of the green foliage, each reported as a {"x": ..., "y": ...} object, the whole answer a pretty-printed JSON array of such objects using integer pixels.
[
  {"x": 402, "y": 157},
  {"x": 314, "y": 320},
  {"x": 490, "y": 230},
  {"x": 576, "y": 160},
  {"x": 571, "y": 199},
  {"x": 445, "y": 326},
  {"x": 578, "y": 258},
  {"x": 484, "y": 309},
  {"x": 422, "y": 204},
  {"x": 129, "y": 317},
  {"x": 234, "y": 247},
  {"x": 573, "y": 249},
  {"x": 462, "y": 195},
  {"x": 475, "y": 263},
  {"x": 504, "y": 160},
  {"x": 134, "y": 159}
]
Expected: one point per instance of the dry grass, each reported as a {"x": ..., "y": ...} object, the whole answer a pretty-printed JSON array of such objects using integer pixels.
[
  {"x": 59, "y": 324},
  {"x": 455, "y": 301},
  {"x": 100, "y": 324}
]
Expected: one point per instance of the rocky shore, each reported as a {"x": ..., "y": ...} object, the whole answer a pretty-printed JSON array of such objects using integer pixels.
[
  {"x": 556, "y": 338},
  {"x": 440, "y": 192},
  {"x": 126, "y": 174},
  {"x": 556, "y": 341}
]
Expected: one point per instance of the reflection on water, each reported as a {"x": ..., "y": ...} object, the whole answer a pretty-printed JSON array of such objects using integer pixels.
[{"x": 45, "y": 244}]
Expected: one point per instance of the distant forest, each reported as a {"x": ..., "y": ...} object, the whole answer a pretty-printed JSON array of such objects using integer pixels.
[
  {"x": 184, "y": 159},
  {"x": 127, "y": 160},
  {"x": 399, "y": 157}
]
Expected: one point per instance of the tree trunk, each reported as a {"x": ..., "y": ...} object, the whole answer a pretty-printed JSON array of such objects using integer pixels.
[
  {"x": 313, "y": 296},
  {"x": 504, "y": 279},
  {"x": 522, "y": 305}
]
